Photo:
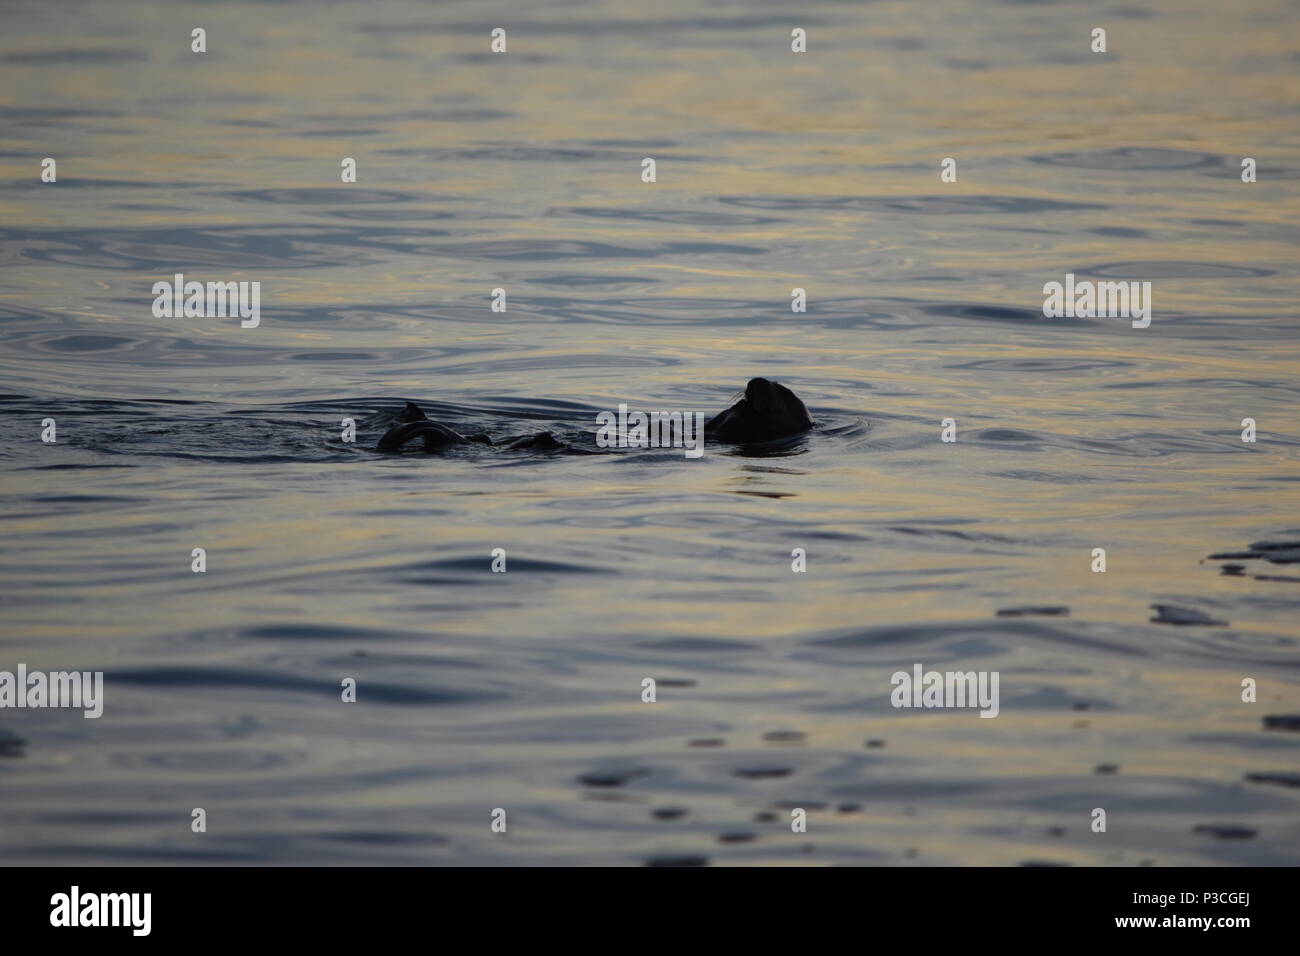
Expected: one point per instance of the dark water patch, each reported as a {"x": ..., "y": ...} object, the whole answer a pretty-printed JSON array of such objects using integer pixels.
[
  {"x": 762, "y": 773},
  {"x": 1023, "y": 474},
  {"x": 20, "y": 116},
  {"x": 669, "y": 813},
  {"x": 82, "y": 499},
  {"x": 784, "y": 737},
  {"x": 1243, "y": 742},
  {"x": 612, "y": 778},
  {"x": 814, "y": 806},
  {"x": 443, "y": 115},
  {"x": 737, "y": 836},
  {"x": 919, "y": 205},
  {"x": 11, "y": 745},
  {"x": 1007, "y": 436},
  {"x": 638, "y": 144},
  {"x": 402, "y": 662},
  {"x": 1225, "y": 831},
  {"x": 67, "y": 181},
  {"x": 1253, "y": 385},
  {"x": 686, "y": 217},
  {"x": 591, "y": 281},
  {"x": 233, "y": 678},
  {"x": 1282, "y": 722},
  {"x": 678, "y": 860},
  {"x": 90, "y": 343},
  {"x": 322, "y": 355},
  {"x": 384, "y": 838},
  {"x": 1274, "y": 779},
  {"x": 390, "y": 215},
  {"x": 999, "y": 313},
  {"x": 482, "y": 566},
  {"x": 1171, "y": 270},
  {"x": 339, "y": 133},
  {"x": 1050, "y": 698},
  {"x": 1170, "y": 614},
  {"x": 104, "y": 818},
  {"x": 1120, "y": 232},
  {"x": 559, "y": 728},
  {"x": 981, "y": 537},
  {"x": 480, "y": 58},
  {"x": 1130, "y": 158},
  {"x": 318, "y": 632},
  {"x": 698, "y": 645},
  {"x": 1041, "y": 611},
  {"x": 944, "y": 641},
  {"x": 1042, "y": 364},
  {"x": 223, "y": 761},
  {"x": 531, "y": 154},
  {"x": 157, "y": 856},
  {"x": 1279, "y": 552},
  {"x": 76, "y": 466},
  {"x": 343, "y": 194},
  {"x": 593, "y": 360},
  {"x": 931, "y": 788},
  {"x": 697, "y": 519},
  {"x": 90, "y": 56},
  {"x": 544, "y": 250},
  {"x": 166, "y": 250},
  {"x": 1275, "y": 545}
]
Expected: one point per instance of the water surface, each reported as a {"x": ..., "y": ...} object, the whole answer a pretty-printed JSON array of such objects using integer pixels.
[{"x": 523, "y": 690}]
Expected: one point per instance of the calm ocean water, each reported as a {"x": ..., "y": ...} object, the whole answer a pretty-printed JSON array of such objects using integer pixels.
[{"x": 522, "y": 690}]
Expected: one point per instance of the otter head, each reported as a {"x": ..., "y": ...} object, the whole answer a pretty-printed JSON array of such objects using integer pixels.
[
  {"x": 768, "y": 411},
  {"x": 412, "y": 413}
]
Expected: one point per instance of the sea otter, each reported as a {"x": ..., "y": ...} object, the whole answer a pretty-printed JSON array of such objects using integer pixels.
[
  {"x": 436, "y": 436},
  {"x": 415, "y": 424},
  {"x": 767, "y": 411}
]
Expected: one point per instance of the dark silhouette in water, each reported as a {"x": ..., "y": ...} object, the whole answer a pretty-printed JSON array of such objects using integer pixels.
[
  {"x": 436, "y": 436},
  {"x": 415, "y": 424},
  {"x": 767, "y": 411}
]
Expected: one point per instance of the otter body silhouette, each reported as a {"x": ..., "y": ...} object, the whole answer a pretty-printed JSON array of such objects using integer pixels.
[
  {"x": 768, "y": 411},
  {"x": 415, "y": 424}
]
